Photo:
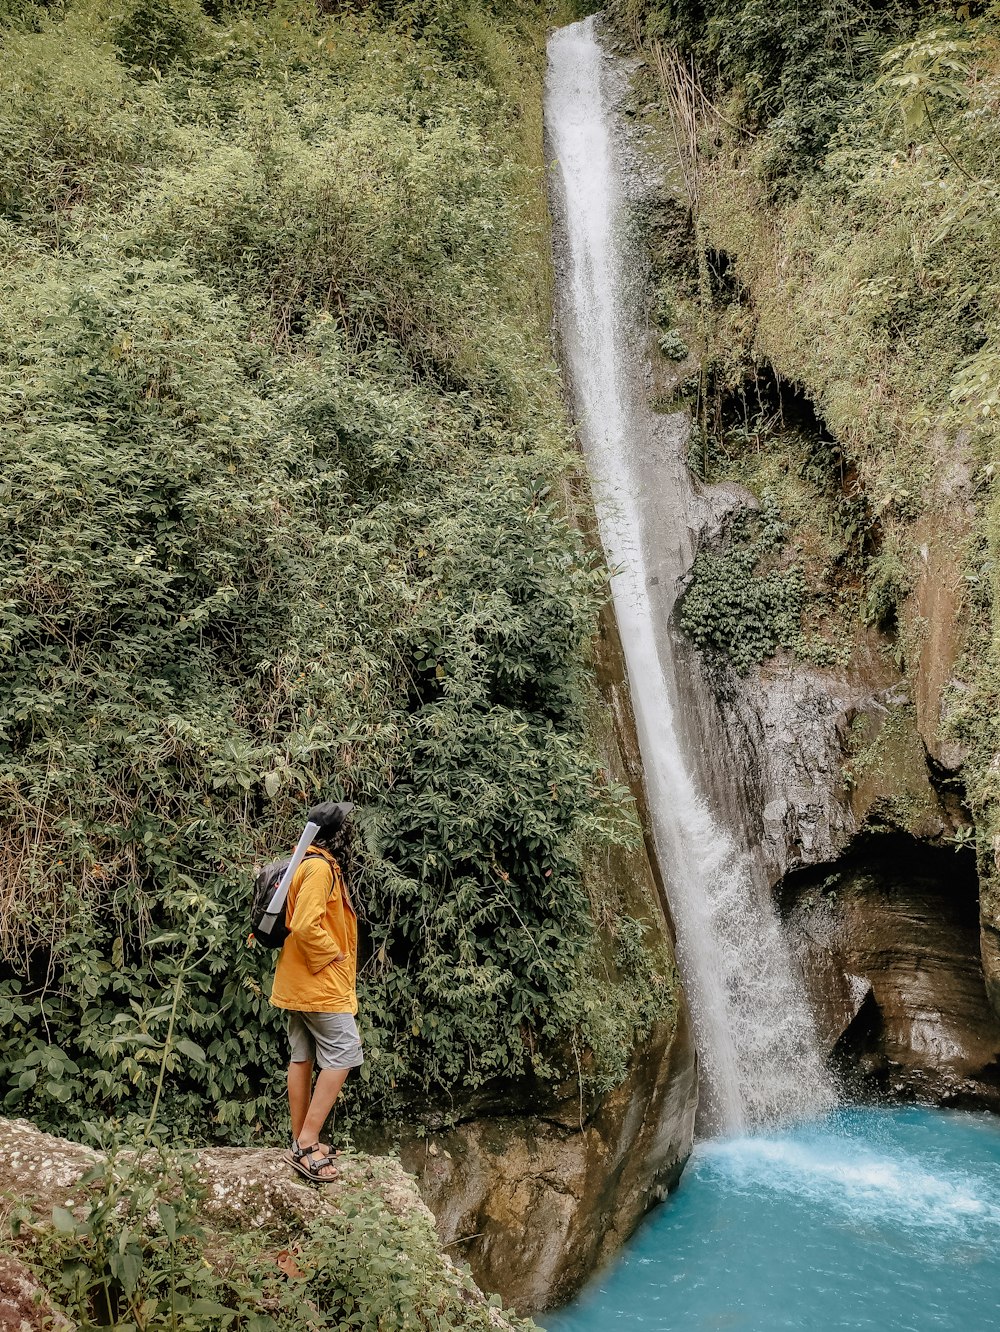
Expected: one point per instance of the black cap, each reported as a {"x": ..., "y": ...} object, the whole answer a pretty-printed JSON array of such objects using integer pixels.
[{"x": 330, "y": 815}]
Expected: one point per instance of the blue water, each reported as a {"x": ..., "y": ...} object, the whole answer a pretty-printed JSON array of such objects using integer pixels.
[{"x": 869, "y": 1219}]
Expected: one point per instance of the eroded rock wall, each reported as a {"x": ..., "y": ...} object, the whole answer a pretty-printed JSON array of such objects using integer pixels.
[
  {"x": 830, "y": 755},
  {"x": 829, "y": 772},
  {"x": 852, "y": 806},
  {"x": 536, "y": 1205},
  {"x": 824, "y": 754},
  {"x": 888, "y": 941},
  {"x": 805, "y": 757}
]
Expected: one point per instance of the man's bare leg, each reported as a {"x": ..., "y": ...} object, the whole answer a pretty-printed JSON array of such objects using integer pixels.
[
  {"x": 299, "y": 1090},
  {"x": 328, "y": 1085}
]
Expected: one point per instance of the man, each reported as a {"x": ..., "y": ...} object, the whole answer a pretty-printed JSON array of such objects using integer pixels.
[{"x": 315, "y": 983}]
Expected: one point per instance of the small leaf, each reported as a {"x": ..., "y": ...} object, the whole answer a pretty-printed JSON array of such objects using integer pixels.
[
  {"x": 130, "y": 1269},
  {"x": 64, "y": 1221},
  {"x": 168, "y": 1220},
  {"x": 193, "y": 1051}
]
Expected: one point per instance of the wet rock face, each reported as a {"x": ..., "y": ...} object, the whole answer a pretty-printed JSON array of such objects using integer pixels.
[
  {"x": 535, "y": 1205},
  {"x": 899, "y": 964},
  {"x": 989, "y": 938},
  {"x": 784, "y": 730},
  {"x": 809, "y": 756},
  {"x": 937, "y": 605},
  {"x": 888, "y": 941},
  {"x": 803, "y": 757}
]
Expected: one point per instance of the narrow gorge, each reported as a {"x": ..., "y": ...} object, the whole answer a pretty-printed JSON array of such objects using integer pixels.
[
  {"x": 760, "y": 1061},
  {"x": 568, "y": 436},
  {"x": 834, "y": 789}
]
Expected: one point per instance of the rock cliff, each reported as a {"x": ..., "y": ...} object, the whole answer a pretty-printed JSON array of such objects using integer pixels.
[
  {"x": 851, "y": 804},
  {"x": 888, "y": 942},
  {"x": 536, "y": 1204},
  {"x": 811, "y": 760}
]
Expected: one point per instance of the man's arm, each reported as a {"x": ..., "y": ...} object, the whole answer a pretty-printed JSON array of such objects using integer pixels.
[{"x": 337, "y": 922}]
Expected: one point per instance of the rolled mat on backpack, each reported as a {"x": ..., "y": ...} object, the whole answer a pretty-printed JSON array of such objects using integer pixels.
[{"x": 275, "y": 906}]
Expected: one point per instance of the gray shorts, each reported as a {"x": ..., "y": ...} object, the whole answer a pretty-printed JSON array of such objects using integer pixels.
[{"x": 329, "y": 1040}]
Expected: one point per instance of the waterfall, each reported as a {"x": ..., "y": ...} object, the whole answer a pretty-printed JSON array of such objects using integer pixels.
[{"x": 759, "y": 1058}]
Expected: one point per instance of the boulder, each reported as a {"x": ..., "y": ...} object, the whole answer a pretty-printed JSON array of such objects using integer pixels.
[
  {"x": 24, "y": 1306},
  {"x": 251, "y": 1191}
]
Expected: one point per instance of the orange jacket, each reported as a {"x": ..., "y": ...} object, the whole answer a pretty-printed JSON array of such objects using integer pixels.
[{"x": 318, "y": 963}]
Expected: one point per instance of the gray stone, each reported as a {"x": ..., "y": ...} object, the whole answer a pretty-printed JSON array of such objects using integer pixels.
[{"x": 245, "y": 1189}]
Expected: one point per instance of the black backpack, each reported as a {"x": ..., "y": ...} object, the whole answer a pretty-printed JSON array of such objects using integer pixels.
[{"x": 274, "y": 935}]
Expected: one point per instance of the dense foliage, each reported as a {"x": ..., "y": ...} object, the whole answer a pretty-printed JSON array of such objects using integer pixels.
[
  {"x": 741, "y": 604},
  {"x": 281, "y": 432},
  {"x": 848, "y": 163},
  {"x": 792, "y": 69},
  {"x": 132, "y": 1250}
]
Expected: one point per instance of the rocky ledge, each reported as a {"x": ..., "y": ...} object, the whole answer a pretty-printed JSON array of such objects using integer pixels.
[{"x": 244, "y": 1191}]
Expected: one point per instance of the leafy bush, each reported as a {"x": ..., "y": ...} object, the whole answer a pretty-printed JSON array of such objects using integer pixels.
[
  {"x": 282, "y": 427},
  {"x": 796, "y": 69},
  {"x": 371, "y": 1269},
  {"x": 153, "y": 34},
  {"x": 888, "y": 581},
  {"x": 124, "y": 1256},
  {"x": 623, "y": 1001},
  {"x": 132, "y": 1252},
  {"x": 735, "y": 608},
  {"x": 672, "y": 345}
]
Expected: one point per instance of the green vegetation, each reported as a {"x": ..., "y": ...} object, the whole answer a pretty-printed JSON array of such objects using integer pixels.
[
  {"x": 789, "y": 73},
  {"x": 135, "y": 1252},
  {"x": 627, "y": 992},
  {"x": 788, "y": 577},
  {"x": 282, "y": 435},
  {"x": 847, "y": 168},
  {"x": 738, "y": 607},
  {"x": 886, "y": 758}
]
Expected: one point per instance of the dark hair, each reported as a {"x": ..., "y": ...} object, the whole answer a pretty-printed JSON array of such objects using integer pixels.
[
  {"x": 334, "y": 839},
  {"x": 340, "y": 843}
]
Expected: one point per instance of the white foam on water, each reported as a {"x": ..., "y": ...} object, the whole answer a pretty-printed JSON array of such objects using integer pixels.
[
  {"x": 844, "y": 1175},
  {"x": 760, "y": 1062}
]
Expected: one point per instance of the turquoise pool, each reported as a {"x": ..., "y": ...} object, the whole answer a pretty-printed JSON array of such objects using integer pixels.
[{"x": 886, "y": 1220}]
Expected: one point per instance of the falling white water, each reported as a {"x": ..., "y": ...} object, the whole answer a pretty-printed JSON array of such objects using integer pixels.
[{"x": 759, "y": 1058}]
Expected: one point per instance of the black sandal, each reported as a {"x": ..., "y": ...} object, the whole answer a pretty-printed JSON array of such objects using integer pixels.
[{"x": 304, "y": 1160}]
